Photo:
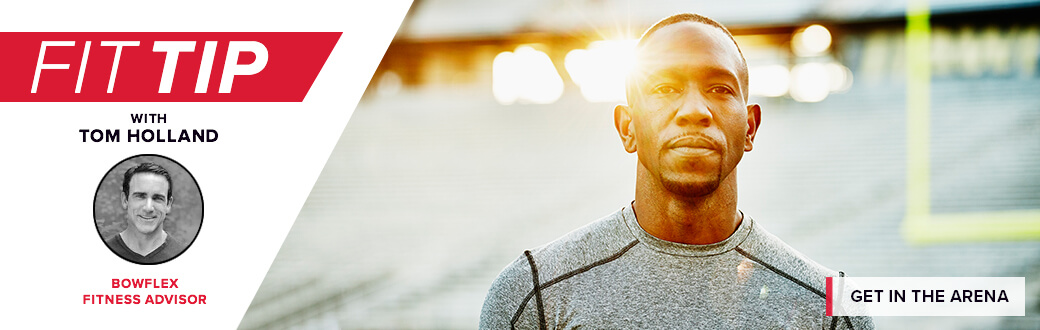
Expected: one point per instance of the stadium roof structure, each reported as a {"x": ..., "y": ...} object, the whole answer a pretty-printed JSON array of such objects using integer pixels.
[{"x": 451, "y": 19}]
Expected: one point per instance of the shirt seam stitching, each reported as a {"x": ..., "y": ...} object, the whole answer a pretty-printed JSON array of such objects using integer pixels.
[
  {"x": 567, "y": 275},
  {"x": 780, "y": 272}
]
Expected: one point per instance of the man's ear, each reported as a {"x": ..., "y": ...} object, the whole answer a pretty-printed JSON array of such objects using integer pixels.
[
  {"x": 754, "y": 119},
  {"x": 124, "y": 200},
  {"x": 625, "y": 127}
]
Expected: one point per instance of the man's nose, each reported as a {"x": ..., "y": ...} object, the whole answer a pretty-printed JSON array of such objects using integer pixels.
[
  {"x": 694, "y": 110},
  {"x": 148, "y": 205}
]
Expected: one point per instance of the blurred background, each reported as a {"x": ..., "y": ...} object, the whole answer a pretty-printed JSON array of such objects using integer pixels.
[{"x": 487, "y": 130}]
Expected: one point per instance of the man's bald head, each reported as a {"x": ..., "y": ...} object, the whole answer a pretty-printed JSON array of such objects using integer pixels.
[{"x": 687, "y": 18}]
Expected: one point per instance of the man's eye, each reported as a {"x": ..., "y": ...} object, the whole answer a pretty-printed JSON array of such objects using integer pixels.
[
  {"x": 665, "y": 89},
  {"x": 720, "y": 90}
]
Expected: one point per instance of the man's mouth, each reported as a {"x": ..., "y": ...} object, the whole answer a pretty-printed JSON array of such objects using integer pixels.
[
  {"x": 693, "y": 145},
  {"x": 694, "y": 151}
]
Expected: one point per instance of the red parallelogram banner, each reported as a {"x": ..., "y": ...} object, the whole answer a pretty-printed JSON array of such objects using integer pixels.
[{"x": 162, "y": 66}]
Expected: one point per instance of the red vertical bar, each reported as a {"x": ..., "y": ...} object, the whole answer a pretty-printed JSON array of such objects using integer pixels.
[{"x": 830, "y": 303}]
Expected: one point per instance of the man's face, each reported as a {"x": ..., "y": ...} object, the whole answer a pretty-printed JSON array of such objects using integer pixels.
[
  {"x": 690, "y": 121},
  {"x": 146, "y": 203}
]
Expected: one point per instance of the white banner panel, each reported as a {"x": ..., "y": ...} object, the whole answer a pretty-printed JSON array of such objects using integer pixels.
[
  {"x": 59, "y": 272},
  {"x": 926, "y": 296}
]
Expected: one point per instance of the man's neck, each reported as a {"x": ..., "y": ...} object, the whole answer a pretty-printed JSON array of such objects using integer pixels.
[
  {"x": 690, "y": 220},
  {"x": 142, "y": 243}
]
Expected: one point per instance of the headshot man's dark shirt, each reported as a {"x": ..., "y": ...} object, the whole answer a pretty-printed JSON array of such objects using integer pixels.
[{"x": 168, "y": 250}]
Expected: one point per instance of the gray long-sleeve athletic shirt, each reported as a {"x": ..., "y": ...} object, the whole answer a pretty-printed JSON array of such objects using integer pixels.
[{"x": 611, "y": 274}]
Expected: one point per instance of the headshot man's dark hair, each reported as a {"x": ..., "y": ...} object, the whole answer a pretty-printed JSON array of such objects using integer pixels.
[
  {"x": 694, "y": 18},
  {"x": 147, "y": 168}
]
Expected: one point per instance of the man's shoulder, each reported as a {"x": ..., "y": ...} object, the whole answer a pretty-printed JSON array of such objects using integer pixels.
[
  {"x": 171, "y": 248},
  {"x": 113, "y": 240},
  {"x": 174, "y": 244},
  {"x": 768, "y": 250},
  {"x": 585, "y": 245},
  {"x": 582, "y": 247},
  {"x": 588, "y": 245},
  {"x": 119, "y": 247}
]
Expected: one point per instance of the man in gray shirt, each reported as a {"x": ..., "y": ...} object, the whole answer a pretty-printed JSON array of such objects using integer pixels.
[{"x": 681, "y": 255}]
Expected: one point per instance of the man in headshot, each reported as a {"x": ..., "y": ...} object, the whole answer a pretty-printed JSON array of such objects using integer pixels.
[
  {"x": 147, "y": 197},
  {"x": 681, "y": 255}
]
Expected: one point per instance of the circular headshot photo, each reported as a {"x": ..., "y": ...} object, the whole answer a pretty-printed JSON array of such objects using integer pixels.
[{"x": 148, "y": 209}]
